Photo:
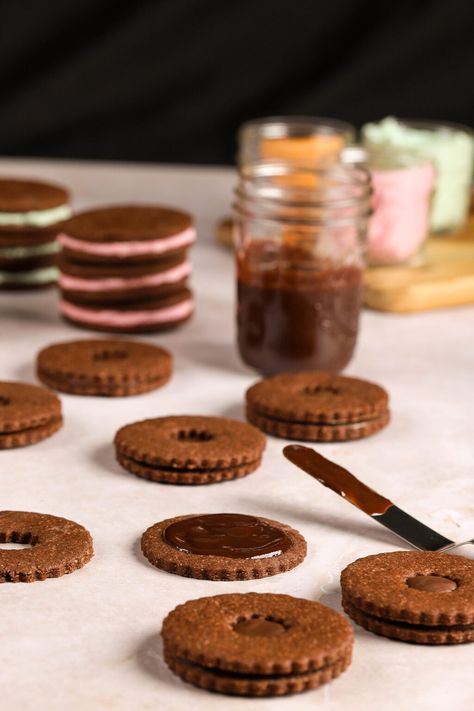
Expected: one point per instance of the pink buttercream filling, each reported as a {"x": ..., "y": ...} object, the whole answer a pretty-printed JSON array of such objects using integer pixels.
[
  {"x": 170, "y": 276},
  {"x": 400, "y": 221},
  {"x": 125, "y": 319},
  {"x": 129, "y": 249}
]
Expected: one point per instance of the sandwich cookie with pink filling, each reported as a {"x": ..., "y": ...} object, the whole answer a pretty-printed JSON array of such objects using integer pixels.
[{"x": 125, "y": 268}]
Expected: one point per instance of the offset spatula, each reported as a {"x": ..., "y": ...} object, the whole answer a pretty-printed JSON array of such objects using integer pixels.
[{"x": 367, "y": 500}]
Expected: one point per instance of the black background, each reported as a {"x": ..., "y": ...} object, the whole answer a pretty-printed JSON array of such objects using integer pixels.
[{"x": 171, "y": 80}]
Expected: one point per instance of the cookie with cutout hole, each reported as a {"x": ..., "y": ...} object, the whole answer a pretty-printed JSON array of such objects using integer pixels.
[
  {"x": 256, "y": 644},
  {"x": 57, "y": 546},
  {"x": 28, "y": 414},
  {"x": 317, "y": 407},
  {"x": 421, "y": 597},
  {"x": 186, "y": 449},
  {"x": 113, "y": 368}
]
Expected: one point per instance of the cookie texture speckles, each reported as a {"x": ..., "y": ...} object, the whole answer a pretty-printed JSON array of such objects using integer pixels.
[
  {"x": 58, "y": 546},
  {"x": 223, "y": 546},
  {"x": 227, "y": 644},
  {"x": 28, "y": 414},
  {"x": 185, "y": 449},
  {"x": 104, "y": 367},
  {"x": 420, "y": 597},
  {"x": 317, "y": 407}
]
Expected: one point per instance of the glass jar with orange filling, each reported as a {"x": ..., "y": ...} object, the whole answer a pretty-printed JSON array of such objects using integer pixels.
[
  {"x": 301, "y": 139},
  {"x": 299, "y": 235}
]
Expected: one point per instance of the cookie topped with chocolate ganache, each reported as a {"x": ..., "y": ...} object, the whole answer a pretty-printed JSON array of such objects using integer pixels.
[{"x": 223, "y": 546}]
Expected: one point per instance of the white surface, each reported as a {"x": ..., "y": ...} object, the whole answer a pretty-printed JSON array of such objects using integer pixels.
[{"x": 90, "y": 640}]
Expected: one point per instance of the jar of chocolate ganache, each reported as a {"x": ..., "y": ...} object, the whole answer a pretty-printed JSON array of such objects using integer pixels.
[{"x": 299, "y": 235}]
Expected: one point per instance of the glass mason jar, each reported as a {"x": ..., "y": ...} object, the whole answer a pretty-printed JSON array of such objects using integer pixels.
[
  {"x": 402, "y": 186},
  {"x": 297, "y": 138},
  {"x": 450, "y": 147},
  {"x": 299, "y": 238}
]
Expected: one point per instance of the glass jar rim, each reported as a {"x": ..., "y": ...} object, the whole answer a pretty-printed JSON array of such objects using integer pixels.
[{"x": 278, "y": 126}]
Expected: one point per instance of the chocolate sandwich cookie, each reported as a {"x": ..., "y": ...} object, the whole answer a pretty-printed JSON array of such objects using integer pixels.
[
  {"x": 30, "y": 214},
  {"x": 223, "y": 546},
  {"x": 83, "y": 283},
  {"x": 186, "y": 449},
  {"x": 317, "y": 407},
  {"x": 104, "y": 367},
  {"x": 140, "y": 316},
  {"x": 58, "y": 546},
  {"x": 421, "y": 597},
  {"x": 124, "y": 269},
  {"x": 28, "y": 414},
  {"x": 135, "y": 233},
  {"x": 256, "y": 644}
]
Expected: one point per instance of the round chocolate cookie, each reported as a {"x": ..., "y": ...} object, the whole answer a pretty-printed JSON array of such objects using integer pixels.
[
  {"x": 28, "y": 414},
  {"x": 104, "y": 367},
  {"x": 58, "y": 546},
  {"x": 132, "y": 232},
  {"x": 186, "y": 449},
  {"x": 421, "y": 597},
  {"x": 256, "y": 644},
  {"x": 223, "y": 546},
  {"x": 102, "y": 284},
  {"x": 139, "y": 316},
  {"x": 317, "y": 407},
  {"x": 30, "y": 195}
]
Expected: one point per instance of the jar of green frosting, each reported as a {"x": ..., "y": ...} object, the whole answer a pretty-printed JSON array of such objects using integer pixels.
[{"x": 450, "y": 147}]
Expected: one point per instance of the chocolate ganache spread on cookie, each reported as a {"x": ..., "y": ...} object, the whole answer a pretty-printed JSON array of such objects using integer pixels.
[{"x": 228, "y": 535}]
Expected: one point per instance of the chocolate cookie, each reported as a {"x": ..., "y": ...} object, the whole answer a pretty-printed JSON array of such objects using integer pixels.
[
  {"x": 58, "y": 546},
  {"x": 28, "y": 414},
  {"x": 186, "y": 449},
  {"x": 137, "y": 316},
  {"x": 317, "y": 407},
  {"x": 223, "y": 546},
  {"x": 421, "y": 597},
  {"x": 104, "y": 367},
  {"x": 25, "y": 196},
  {"x": 30, "y": 213},
  {"x": 133, "y": 232},
  {"x": 256, "y": 644},
  {"x": 85, "y": 284}
]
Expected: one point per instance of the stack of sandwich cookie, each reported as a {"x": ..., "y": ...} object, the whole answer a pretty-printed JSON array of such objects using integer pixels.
[
  {"x": 30, "y": 216},
  {"x": 420, "y": 597},
  {"x": 317, "y": 407},
  {"x": 256, "y": 644},
  {"x": 28, "y": 414},
  {"x": 223, "y": 546},
  {"x": 104, "y": 367},
  {"x": 125, "y": 268},
  {"x": 189, "y": 449}
]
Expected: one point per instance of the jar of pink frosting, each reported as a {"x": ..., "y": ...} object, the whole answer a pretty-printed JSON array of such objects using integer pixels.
[{"x": 402, "y": 186}]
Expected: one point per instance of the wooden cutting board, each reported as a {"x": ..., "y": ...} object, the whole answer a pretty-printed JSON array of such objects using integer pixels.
[{"x": 444, "y": 278}]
